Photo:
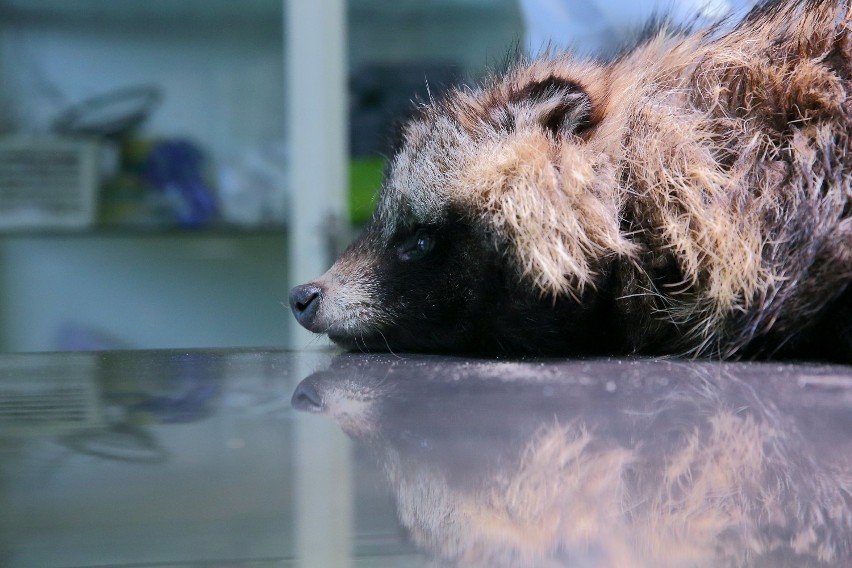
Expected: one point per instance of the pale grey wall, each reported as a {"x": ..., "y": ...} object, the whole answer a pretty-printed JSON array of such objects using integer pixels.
[{"x": 144, "y": 292}]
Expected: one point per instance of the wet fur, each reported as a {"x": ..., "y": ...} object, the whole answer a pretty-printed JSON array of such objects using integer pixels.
[{"x": 691, "y": 196}]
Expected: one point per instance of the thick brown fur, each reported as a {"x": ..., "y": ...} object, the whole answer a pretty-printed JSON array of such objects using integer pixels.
[{"x": 702, "y": 178}]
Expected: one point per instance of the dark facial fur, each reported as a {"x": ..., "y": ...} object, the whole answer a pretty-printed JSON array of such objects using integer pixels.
[
  {"x": 690, "y": 197},
  {"x": 440, "y": 288}
]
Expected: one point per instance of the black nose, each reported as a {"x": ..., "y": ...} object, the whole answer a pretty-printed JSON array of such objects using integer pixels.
[
  {"x": 305, "y": 301},
  {"x": 306, "y": 398}
]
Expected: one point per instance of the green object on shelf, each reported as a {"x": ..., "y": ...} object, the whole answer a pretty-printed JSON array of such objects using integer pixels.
[{"x": 365, "y": 179}]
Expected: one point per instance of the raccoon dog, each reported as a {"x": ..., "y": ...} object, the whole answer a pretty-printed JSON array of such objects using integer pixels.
[{"x": 692, "y": 196}]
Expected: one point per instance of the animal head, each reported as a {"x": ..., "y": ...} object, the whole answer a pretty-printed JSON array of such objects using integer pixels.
[{"x": 497, "y": 218}]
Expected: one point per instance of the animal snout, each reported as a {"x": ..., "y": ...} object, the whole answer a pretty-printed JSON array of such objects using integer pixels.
[
  {"x": 307, "y": 398},
  {"x": 305, "y": 301}
]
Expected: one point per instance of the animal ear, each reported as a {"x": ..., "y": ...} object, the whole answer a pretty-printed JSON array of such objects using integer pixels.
[{"x": 560, "y": 106}]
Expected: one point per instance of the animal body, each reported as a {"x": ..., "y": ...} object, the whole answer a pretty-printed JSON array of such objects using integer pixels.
[
  {"x": 691, "y": 196},
  {"x": 611, "y": 465}
]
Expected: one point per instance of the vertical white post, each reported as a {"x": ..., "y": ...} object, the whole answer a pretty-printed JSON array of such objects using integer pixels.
[
  {"x": 323, "y": 492},
  {"x": 315, "y": 35}
]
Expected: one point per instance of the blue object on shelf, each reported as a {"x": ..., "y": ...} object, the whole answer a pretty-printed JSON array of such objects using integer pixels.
[{"x": 175, "y": 167}]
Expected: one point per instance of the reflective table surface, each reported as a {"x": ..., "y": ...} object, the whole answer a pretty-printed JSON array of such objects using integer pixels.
[{"x": 273, "y": 458}]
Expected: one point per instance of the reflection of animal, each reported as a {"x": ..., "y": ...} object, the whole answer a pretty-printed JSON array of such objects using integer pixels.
[
  {"x": 640, "y": 464},
  {"x": 691, "y": 196}
]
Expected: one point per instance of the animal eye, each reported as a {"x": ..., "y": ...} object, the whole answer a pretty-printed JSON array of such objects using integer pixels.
[{"x": 417, "y": 246}]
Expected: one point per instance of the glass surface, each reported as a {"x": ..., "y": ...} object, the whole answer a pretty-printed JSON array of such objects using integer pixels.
[{"x": 197, "y": 459}]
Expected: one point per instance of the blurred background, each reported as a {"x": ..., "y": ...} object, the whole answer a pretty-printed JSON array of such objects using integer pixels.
[{"x": 169, "y": 168}]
